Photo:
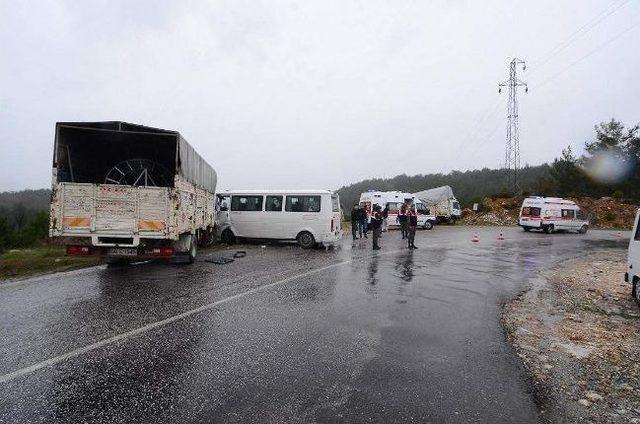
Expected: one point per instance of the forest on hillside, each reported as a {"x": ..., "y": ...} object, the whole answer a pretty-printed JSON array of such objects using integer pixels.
[{"x": 609, "y": 167}]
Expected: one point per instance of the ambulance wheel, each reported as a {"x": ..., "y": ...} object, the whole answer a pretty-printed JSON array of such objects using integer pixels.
[
  {"x": 635, "y": 289},
  {"x": 305, "y": 240},
  {"x": 428, "y": 225},
  {"x": 583, "y": 229},
  {"x": 548, "y": 229},
  {"x": 228, "y": 237},
  {"x": 526, "y": 229}
]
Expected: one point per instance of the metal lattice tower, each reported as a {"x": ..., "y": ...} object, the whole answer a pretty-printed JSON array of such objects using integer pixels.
[{"x": 512, "y": 151}]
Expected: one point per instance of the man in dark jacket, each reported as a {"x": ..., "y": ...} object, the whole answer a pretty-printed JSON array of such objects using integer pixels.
[
  {"x": 376, "y": 225},
  {"x": 355, "y": 221},
  {"x": 364, "y": 221},
  {"x": 412, "y": 221}
]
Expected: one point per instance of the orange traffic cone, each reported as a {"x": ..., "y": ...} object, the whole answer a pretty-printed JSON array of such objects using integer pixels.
[
  {"x": 475, "y": 238},
  {"x": 500, "y": 236}
]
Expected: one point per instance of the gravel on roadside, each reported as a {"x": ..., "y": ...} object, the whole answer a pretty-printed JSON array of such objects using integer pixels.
[{"x": 577, "y": 330}]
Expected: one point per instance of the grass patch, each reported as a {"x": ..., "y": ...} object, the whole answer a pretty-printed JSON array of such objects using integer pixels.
[{"x": 24, "y": 262}]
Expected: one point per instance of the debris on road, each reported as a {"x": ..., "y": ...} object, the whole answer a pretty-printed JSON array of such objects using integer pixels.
[{"x": 577, "y": 332}]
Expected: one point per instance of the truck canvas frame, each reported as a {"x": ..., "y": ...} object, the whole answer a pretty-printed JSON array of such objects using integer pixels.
[{"x": 127, "y": 191}]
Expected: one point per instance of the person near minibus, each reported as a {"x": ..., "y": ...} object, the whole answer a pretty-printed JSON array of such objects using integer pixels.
[
  {"x": 355, "y": 221},
  {"x": 385, "y": 217},
  {"x": 402, "y": 219},
  {"x": 364, "y": 224},
  {"x": 412, "y": 223},
  {"x": 376, "y": 225}
]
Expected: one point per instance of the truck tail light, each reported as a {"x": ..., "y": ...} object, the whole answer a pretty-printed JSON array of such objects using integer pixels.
[
  {"x": 161, "y": 251},
  {"x": 78, "y": 250}
]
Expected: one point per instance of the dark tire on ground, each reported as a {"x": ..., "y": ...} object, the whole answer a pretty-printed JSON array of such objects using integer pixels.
[
  {"x": 428, "y": 225},
  {"x": 228, "y": 237},
  {"x": 635, "y": 289},
  {"x": 305, "y": 240},
  {"x": 583, "y": 229},
  {"x": 548, "y": 229},
  {"x": 526, "y": 229}
]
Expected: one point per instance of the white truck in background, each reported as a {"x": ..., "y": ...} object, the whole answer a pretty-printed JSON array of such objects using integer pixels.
[
  {"x": 127, "y": 192},
  {"x": 442, "y": 203},
  {"x": 393, "y": 200}
]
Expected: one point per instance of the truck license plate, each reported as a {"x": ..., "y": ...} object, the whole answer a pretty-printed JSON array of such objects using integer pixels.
[{"x": 122, "y": 251}]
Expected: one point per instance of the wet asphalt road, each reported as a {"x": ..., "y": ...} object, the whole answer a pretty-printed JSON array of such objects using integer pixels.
[{"x": 282, "y": 335}]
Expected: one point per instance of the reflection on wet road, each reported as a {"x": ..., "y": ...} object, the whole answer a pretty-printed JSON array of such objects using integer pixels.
[{"x": 283, "y": 335}]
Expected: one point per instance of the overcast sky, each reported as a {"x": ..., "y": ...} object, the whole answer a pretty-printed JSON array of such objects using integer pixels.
[{"x": 320, "y": 93}]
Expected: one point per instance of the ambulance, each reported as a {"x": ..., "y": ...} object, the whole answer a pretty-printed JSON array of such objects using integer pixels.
[
  {"x": 395, "y": 199},
  {"x": 551, "y": 214}
]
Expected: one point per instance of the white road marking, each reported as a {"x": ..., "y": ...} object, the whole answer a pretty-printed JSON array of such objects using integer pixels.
[{"x": 140, "y": 330}]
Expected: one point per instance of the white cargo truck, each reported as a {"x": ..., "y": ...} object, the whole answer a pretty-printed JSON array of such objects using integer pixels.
[
  {"x": 442, "y": 203},
  {"x": 126, "y": 192}
]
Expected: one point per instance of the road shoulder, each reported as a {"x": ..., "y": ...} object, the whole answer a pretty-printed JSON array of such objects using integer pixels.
[{"x": 577, "y": 330}]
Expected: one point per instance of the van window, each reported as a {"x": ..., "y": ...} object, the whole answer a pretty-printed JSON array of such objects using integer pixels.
[
  {"x": 529, "y": 211},
  {"x": 223, "y": 203},
  {"x": 393, "y": 206},
  {"x": 456, "y": 205},
  {"x": 335, "y": 203},
  {"x": 246, "y": 203},
  {"x": 581, "y": 215},
  {"x": 302, "y": 204},
  {"x": 568, "y": 213},
  {"x": 273, "y": 204},
  {"x": 422, "y": 209}
]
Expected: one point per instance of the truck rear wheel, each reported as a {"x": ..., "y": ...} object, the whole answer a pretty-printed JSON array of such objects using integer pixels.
[{"x": 193, "y": 250}]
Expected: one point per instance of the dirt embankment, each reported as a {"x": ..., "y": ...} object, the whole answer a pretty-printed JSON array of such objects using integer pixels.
[
  {"x": 604, "y": 213},
  {"x": 577, "y": 331}
]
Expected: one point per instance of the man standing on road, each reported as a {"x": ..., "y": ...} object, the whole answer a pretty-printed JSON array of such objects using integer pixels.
[
  {"x": 363, "y": 220},
  {"x": 355, "y": 221},
  {"x": 376, "y": 225},
  {"x": 412, "y": 218},
  {"x": 385, "y": 216},
  {"x": 402, "y": 219}
]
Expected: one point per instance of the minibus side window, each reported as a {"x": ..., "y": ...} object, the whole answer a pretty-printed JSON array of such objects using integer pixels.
[
  {"x": 246, "y": 203},
  {"x": 273, "y": 204},
  {"x": 302, "y": 204},
  {"x": 335, "y": 203}
]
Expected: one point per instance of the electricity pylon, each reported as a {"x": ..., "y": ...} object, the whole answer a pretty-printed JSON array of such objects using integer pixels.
[{"x": 512, "y": 151}]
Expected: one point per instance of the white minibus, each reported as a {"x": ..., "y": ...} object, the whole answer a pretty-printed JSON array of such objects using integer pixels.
[
  {"x": 633, "y": 272},
  {"x": 309, "y": 217},
  {"x": 551, "y": 214},
  {"x": 393, "y": 200}
]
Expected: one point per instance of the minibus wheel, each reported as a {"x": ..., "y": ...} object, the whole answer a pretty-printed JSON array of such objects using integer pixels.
[
  {"x": 305, "y": 240},
  {"x": 228, "y": 237},
  {"x": 583, "y": 229},
  {"x": 548, "y": 229}
]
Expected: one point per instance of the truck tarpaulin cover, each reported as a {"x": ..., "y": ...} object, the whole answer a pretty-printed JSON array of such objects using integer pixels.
[
  {"x": 87, "y": 152},
  {"x": 434, "y": 195}
]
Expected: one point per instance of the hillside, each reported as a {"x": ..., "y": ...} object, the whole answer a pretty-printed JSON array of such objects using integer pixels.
[
  {"x": 603, "y": 213},
  {"x": 469, "y": 186}
]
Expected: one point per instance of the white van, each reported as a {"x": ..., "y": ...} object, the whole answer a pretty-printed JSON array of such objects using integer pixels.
[
  {"x": 393, "y": 200},
  {"x": 633, "y": 272},
  {"x": 309, "y": 217},
  {"x": 551, "y": 214}
]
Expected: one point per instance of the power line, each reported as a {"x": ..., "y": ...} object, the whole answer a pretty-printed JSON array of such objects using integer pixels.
[
  {"x": 592, "y": 23},
  {"x": 609, "y": 41}
]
